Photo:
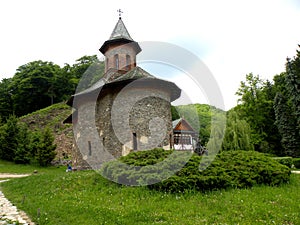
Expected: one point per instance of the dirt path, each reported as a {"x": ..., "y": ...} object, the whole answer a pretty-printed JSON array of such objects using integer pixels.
[
  {"x": 9, "y": 175},
  {"x": 9, "y": 214}
]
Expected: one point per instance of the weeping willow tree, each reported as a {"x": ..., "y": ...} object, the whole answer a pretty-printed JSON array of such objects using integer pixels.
[
  {"x": 218, "y": 124},
  {"x": 237, "y": 134}
]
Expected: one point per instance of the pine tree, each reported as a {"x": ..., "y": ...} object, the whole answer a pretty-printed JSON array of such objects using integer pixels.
[
  {"x": 293, "y": 85},
  {"x": 8, "y": 138},
  {"x": 287, "y": 126},
  {"x": 22, "y": 152},
  {"x": 46, "y": 148}
]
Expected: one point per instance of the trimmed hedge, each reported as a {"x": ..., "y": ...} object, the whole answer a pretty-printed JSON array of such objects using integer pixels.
[
  {"x": 287, "y": 161},
  {"x": 296, "y": 162},
  {"x": 170, "y": 172}
]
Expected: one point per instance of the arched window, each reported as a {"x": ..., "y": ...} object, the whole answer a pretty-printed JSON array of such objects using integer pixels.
[
  {"x": 117, "y": 61},
  {"x": 128, "y": 62}
]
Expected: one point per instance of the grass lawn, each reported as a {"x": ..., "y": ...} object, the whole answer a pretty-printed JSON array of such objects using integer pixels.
[
  {"x": 10, "y": 167},
  {"x": 53, "y": 196}
]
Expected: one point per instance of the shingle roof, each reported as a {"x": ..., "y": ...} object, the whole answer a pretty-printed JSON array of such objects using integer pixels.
[
  {"x": 120, "y": 31},
  {"x": 120, "y": 35},
  {"x": 113, "y": 76},
  {"x": 175, "y": 123}
]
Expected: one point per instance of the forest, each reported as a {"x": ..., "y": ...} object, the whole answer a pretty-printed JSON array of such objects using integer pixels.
[{"x": 266, "y": 118}]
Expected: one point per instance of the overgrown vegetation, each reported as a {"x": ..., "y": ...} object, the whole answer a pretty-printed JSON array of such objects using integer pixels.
[
  {"x": 230, "y": 169},
  {"x": 53, "y": 197},
  {"x": 21, "y": 145}
]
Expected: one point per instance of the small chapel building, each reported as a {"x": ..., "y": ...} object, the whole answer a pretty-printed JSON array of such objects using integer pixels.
[
  {"x": 184, "y": 135},
  {"x": 127, "y": 110}
]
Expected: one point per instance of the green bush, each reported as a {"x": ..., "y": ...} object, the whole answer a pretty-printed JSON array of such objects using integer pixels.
[
  {"x": 287, "y": 161},
  {"x": 230, "y": 169},
  {"x": 296, "y": 162}
]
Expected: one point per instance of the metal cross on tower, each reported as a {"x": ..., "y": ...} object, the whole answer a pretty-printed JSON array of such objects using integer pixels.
[{"x": 120, "y": 12}]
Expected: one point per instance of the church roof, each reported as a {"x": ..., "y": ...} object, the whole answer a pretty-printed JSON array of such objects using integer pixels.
[
  {"x": 120, "y": 31},
  {"x": 112, "y": 77}
]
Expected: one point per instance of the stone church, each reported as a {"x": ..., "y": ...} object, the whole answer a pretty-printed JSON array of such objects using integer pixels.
[{"x": 127, "y": 110}]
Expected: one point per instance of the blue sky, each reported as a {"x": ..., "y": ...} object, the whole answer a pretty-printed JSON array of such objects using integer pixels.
[{"x": 232, "y": 38}]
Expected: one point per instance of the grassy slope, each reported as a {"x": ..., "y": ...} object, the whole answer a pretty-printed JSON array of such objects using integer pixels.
[
  {"x": 50, "y": 116},
  {"x": 53, "y": 117},
  {"x": 87, "y": 198}
]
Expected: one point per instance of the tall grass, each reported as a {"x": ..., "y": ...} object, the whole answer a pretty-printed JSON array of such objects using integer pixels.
[{"x": 58, "y": 198}]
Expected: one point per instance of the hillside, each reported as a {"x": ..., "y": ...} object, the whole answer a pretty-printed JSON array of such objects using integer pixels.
[{"x": 53, "y": 117}]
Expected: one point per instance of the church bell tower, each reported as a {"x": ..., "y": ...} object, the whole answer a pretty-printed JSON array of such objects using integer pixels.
[{"x": 120, "y": 49}]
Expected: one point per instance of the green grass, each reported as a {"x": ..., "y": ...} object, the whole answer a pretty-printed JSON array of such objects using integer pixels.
[
  {"x": 10, "y": 167},
  {"x": 87, "y": 198},
  {"x": 51, "y": 116}
]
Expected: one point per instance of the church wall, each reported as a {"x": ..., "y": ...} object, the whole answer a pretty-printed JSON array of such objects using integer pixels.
[
  {"x": 119, "y": 114},
  {"x": 143, "y": 112},
  {"x": 89, "y": 152}
]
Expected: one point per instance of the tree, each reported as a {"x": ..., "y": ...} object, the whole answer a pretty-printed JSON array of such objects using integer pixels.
[
  {"x": 14, "y": 141},
  {"x": 9, "y": 138},
  {"x": 293, "y": 85},
  {"x": 287, "y": 126},
  {"x": 22, "y": 152},
  {"x": 287, "y": 106},
  {"x": 87, "y": 70},
  {"x": 217, "y": 131},
  {"x": 45, "y": 148},
  {"x": 237, "y": 134},
  {"x": 33, "y": 86},
  {"x": 6, "y": 104},
  {"x": 256, "y": 107}
]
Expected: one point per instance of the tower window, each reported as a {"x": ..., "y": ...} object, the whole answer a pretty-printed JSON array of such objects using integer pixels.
[
  {"x": 128, "y": 62},
  {"x": 117, "y": 61}
]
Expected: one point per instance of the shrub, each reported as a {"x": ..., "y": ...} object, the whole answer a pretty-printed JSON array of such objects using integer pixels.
[
  {"x": 296, "y": 162},
  {"x": 237, "y": 169},
  {"x": 287, "y": 161}
]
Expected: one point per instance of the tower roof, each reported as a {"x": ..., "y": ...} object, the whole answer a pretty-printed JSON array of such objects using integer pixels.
[
  {"x": 120, "y": 31},
  {"x": 119, "y": 35}
]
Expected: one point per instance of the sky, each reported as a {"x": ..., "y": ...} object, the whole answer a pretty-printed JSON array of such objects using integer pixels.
[{"x": 231, "y": 38}]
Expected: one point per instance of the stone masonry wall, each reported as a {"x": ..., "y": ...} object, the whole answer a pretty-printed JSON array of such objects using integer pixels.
[{"x": 105, "y": 128}]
